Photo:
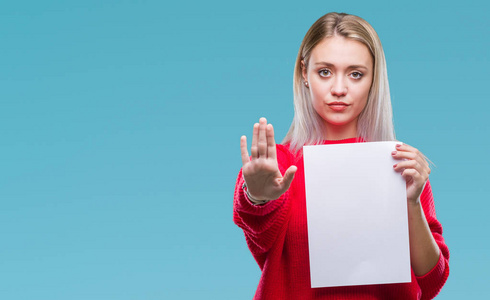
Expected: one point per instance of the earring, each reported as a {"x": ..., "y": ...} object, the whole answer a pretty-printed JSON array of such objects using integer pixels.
[{"x": 306, "y": 83}]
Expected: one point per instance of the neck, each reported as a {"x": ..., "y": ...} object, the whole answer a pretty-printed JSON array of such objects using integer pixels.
[{"x": 333, "y": 132}]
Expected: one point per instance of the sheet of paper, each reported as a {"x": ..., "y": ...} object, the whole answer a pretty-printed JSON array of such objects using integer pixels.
[{"x": 357, "y": 215}]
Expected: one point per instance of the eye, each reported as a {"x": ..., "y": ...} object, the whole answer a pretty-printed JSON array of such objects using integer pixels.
[
  {"x": 324, "y": 73},
  {"x": 356, "y": 75}
]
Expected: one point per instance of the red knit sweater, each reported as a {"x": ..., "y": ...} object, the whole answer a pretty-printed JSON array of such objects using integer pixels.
[{"x": 276, "y": 234}]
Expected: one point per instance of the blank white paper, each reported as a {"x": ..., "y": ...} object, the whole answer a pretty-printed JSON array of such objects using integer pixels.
[{"x": 357, "y": 215}]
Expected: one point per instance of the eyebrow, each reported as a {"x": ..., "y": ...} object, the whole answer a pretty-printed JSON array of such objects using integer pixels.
[{"x": 322, "y": 63}]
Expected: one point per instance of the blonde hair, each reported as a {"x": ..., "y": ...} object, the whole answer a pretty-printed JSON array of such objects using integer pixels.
[{"x": 375, "y": 122}]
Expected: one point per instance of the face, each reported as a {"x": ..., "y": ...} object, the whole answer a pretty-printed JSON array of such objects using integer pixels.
[{"x": 339, "y": 75}]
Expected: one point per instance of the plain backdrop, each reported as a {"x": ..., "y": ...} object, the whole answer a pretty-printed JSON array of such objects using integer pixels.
[{"x": 120, "y": 124}]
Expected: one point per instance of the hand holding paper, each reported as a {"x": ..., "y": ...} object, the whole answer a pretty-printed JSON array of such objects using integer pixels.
[{"x": 415, "y": 170}]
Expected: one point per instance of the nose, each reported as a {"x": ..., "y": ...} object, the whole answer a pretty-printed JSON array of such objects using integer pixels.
[{"x": 339, "y": 88}]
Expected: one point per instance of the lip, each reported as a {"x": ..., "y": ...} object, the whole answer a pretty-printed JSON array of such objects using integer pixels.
[{"x": 338, "y": 105}]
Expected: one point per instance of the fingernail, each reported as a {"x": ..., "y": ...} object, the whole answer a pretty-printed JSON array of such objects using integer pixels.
[
  {"x": 394, "y": 166},
  {"x": 398, "y": 145},
  {"x": 393, "y": 153}
]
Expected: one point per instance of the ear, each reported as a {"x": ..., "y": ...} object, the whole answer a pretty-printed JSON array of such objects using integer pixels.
[{"x": 303, "y": 71}]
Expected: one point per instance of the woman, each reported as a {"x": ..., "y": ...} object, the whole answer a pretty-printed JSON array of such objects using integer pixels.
[{"x": 341, "y": 95}]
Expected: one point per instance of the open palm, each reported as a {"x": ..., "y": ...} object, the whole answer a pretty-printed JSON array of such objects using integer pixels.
[{"x": 261, "y": 171}]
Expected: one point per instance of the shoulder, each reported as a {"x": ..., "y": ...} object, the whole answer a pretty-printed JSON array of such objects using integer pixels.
[
  {"x": 285, "y": 156},
  {"x": 285, "y": 150}
]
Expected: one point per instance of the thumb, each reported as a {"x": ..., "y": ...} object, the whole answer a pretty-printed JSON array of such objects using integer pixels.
[{"x": 289, "y": 176}]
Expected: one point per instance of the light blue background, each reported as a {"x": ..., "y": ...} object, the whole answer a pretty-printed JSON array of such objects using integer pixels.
[{"x": 120, "y": 124}]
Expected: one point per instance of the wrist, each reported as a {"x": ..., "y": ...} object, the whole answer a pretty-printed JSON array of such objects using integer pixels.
[
  {"x": 252, "y": 199},
  {"x": 414, "y": 205},
  {"x": 414, "y": 202}
]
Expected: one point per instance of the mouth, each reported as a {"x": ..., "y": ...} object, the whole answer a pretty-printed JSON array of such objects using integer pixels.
[{"x": 338, "y": 105}]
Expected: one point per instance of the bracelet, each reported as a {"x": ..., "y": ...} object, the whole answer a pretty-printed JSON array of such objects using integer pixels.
[{"x": 252, "y": 199}]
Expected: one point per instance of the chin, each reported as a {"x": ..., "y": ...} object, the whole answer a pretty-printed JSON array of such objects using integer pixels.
[{"x": 337, "y": 123}]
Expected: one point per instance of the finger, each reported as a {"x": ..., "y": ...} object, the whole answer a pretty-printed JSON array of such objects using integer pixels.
[
  {"x": 403, "y": 155},
  {"x": 262, "y": 143},
  {"x": 243, "y": 149},
  {"x": 408, "y": 174},
  {"x": 289, "y": 176},
  {"x": 271, "y": 143},
  {"x": 255, "y": 138},
  {"x": 408, "y": 152},
  {"x": 407, "y": 164},
  {"x": 411, "y": 167},
  {"x": 406, "y": 147}
]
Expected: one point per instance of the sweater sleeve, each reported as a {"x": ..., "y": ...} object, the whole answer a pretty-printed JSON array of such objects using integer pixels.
[
  {"x": 432, "y": 282},
  {"x": 262, "y": 224}
]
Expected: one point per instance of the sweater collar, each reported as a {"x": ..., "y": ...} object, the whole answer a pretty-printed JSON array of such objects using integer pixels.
[{"x": 344, "y": 141}]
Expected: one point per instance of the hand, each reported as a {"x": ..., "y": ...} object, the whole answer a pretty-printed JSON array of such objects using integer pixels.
[
  {"x": 261, "y": 172},
  {"x": 415, "y": 170}
]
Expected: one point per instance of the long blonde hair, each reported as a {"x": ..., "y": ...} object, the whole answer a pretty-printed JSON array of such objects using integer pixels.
[{"x": 375, "y": 122}]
